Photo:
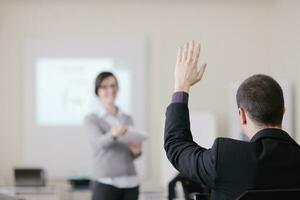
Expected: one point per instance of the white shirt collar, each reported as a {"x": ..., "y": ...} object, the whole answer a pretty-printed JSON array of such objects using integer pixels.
[{"x": 102, "y": 112}]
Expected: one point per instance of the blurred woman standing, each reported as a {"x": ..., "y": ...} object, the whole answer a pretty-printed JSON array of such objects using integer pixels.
[{"x": 115, "y": 173}]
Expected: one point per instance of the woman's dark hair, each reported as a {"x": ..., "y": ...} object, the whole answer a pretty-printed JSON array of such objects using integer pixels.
[
  {"x": 262, "y": 97},
  {"x": 100, "y": 78}
]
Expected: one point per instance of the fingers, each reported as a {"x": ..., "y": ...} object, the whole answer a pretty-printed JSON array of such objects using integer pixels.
[
  {"x": 185, "y": 50},
  {"x": 122, "y": 130},
  {"x": 118, "y": 132},
  {"x": 197, "y": 53},
  {"x": 189, "y": 52},
  {"x": 191, "y": 46},
  {"x": 135, "y": 145},
  {"x": 201, "y": 71},
  {"x": 179, "y": 55}
]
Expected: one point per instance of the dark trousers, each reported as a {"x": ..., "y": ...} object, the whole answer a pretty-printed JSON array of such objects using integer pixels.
[{"x": 107, "y": 192}]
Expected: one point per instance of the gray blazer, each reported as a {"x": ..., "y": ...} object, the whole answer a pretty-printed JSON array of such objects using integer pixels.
[{"x": 111, "y": 157}]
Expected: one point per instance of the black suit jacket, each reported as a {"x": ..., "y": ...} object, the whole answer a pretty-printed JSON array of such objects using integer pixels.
[{"x": 270, "y": 160}]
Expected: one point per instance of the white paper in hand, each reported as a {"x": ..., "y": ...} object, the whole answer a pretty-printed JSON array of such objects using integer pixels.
[{"x": 133, "y": 136}]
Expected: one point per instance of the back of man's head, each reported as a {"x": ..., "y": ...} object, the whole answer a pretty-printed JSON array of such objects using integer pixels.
[{"x": 262, "y": 97}]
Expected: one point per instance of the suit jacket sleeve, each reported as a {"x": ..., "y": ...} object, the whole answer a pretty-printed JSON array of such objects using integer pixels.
[{"x": 186, "y": 156}]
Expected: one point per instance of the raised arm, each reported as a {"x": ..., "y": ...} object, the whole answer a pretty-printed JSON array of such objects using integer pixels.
[{"x": 188, "y": 157}]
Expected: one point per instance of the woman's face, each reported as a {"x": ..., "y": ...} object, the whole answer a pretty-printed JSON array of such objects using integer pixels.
[{"x": 108, "y": 90}]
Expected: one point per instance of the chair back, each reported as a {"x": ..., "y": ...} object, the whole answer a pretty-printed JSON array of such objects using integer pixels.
[{"x": 275, "y": 194}]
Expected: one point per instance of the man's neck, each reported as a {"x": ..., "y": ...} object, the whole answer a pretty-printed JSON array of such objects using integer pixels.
[{"x": 259, "y": 128}]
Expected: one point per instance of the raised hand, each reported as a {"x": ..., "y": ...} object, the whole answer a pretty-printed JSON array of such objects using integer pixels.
[{"x": 187, "y": 70}]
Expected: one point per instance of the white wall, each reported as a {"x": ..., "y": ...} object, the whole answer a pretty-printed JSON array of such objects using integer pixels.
[
  {"x": 285, "y": 48},
  {"x": 237, "y": 40}
]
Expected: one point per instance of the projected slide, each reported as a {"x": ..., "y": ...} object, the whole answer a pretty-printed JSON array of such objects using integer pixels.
[{"x": 65, "y": 89}]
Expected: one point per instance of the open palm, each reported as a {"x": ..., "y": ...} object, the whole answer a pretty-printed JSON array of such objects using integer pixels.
[{"x": 187, "y": 70}]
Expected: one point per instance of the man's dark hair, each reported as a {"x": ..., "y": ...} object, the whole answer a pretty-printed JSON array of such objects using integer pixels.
[
  {"x": 262, "y": 97},
  {"x": 100, "y": 78}
]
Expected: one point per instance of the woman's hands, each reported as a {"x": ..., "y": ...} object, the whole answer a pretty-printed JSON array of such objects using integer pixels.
[
  {"x": 118, "y": 132},
  {"x": 187, "y": 70},
  {"x": 136, "y": 149}
]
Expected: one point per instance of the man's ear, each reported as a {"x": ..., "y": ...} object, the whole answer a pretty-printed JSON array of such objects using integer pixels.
[{"x": 243, "y": 118}]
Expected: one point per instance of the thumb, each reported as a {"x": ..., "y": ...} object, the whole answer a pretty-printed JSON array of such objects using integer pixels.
[{"x": 201, "y": 71}]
